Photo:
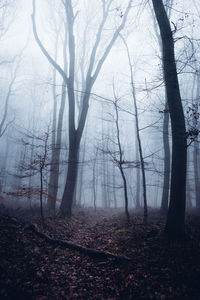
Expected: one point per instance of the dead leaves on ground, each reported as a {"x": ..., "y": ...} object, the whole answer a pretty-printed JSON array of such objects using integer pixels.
[{"x": 33, "y": 269}]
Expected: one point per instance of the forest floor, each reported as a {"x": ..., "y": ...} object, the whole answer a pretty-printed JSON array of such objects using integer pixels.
[{"x": 33, "y": 268}]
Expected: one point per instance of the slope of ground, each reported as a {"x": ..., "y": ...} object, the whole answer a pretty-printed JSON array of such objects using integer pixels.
[{"x": 32, "y": 268}]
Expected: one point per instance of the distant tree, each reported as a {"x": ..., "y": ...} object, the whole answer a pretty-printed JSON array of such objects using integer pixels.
[
  {"x": 117, "y": 153},
  {"x": 56, "y": 131},
  {"x": 7, "y": 11},
  {"x": 94, "y": 179},
  {"x": 38, "y": 162},
  {"x": 175, "y": 224},
  {"x": 145, "y": 217},
  {"x": 4, "y": 123},
  {"x": 121, "y": 161}
]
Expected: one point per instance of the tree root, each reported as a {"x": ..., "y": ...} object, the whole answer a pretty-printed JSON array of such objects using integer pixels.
[{"x": 88, "y": 251}]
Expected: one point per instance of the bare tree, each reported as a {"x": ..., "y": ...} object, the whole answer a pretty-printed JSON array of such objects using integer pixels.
[
  {"x": 75, "y": 132},
  {"x": 57, "y": 132},
  {"x": 117, "y": 155},
  {"x": 4, "y": 124},
  {"x": 7, "y": 11},
  {"x": 166, "y": 144},
  {"x": 145, "y": 217},
  {"x": 38, "y": 162},
  {"x": 176, "y": 214},
  {"x": 94, "y": 179},
  {"x": 121, "y": 161}
]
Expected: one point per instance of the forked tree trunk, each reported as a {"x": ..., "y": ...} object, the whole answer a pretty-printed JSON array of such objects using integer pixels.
[
  {"x": 175, "y": 224},
  {"x": 75, "y": 134}
]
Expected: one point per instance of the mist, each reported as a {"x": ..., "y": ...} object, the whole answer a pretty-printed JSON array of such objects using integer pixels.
[{"x": 99, "y": 123}]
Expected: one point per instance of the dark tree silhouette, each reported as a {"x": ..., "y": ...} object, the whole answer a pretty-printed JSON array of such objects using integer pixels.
[{"x": 176, "y": 214}]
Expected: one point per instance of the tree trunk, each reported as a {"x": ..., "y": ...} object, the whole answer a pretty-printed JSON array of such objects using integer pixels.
[
  {"x": 188, "y": 187},
  {"x": 114, "y": 187},
  {"x": 121, "y": 159},
  {"x": 196, "y": 173},
  {"x": 166, "y": 184},
  {"x": 81, "y": 173},
  {"x": 137, "y": 196},
  {"x": 196, "y": 151},
  {"x": 68, "y": 195},
  {"x": 55, "y": 162},
  {"x": 176, "y": 214},
  {"x": 145, "y": 215},
  {"x": 94, "y": 180},
  {"x": 125, "y": 194},
  {"x": 41, "y": 195}
]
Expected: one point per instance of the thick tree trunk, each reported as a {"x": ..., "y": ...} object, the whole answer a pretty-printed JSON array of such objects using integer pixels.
[
  {"x": 166, "y": 184},
  {"x": 68, "y": 195},
  {"x": 176, "y": 214},
  {"x": 188, "y": 188},
  {"x": 196, "y": 150}
]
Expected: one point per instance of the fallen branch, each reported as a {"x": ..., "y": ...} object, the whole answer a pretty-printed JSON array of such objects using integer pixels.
[{"x": 68, "y": 244}]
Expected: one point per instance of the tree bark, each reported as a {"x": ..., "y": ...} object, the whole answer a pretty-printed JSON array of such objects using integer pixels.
[
  {"x": 68, "y": 195},
  {"x": 176, "y": 214},
  {"x": 167, "y": 157},
  {"x": 166, "y": 183},
  {"x": 196, "y": 150}
]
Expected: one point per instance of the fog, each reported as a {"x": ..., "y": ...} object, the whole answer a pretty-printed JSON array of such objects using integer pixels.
[
  {"x": 99, "y": 149},
  {"x": 35, "y": 98}
]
